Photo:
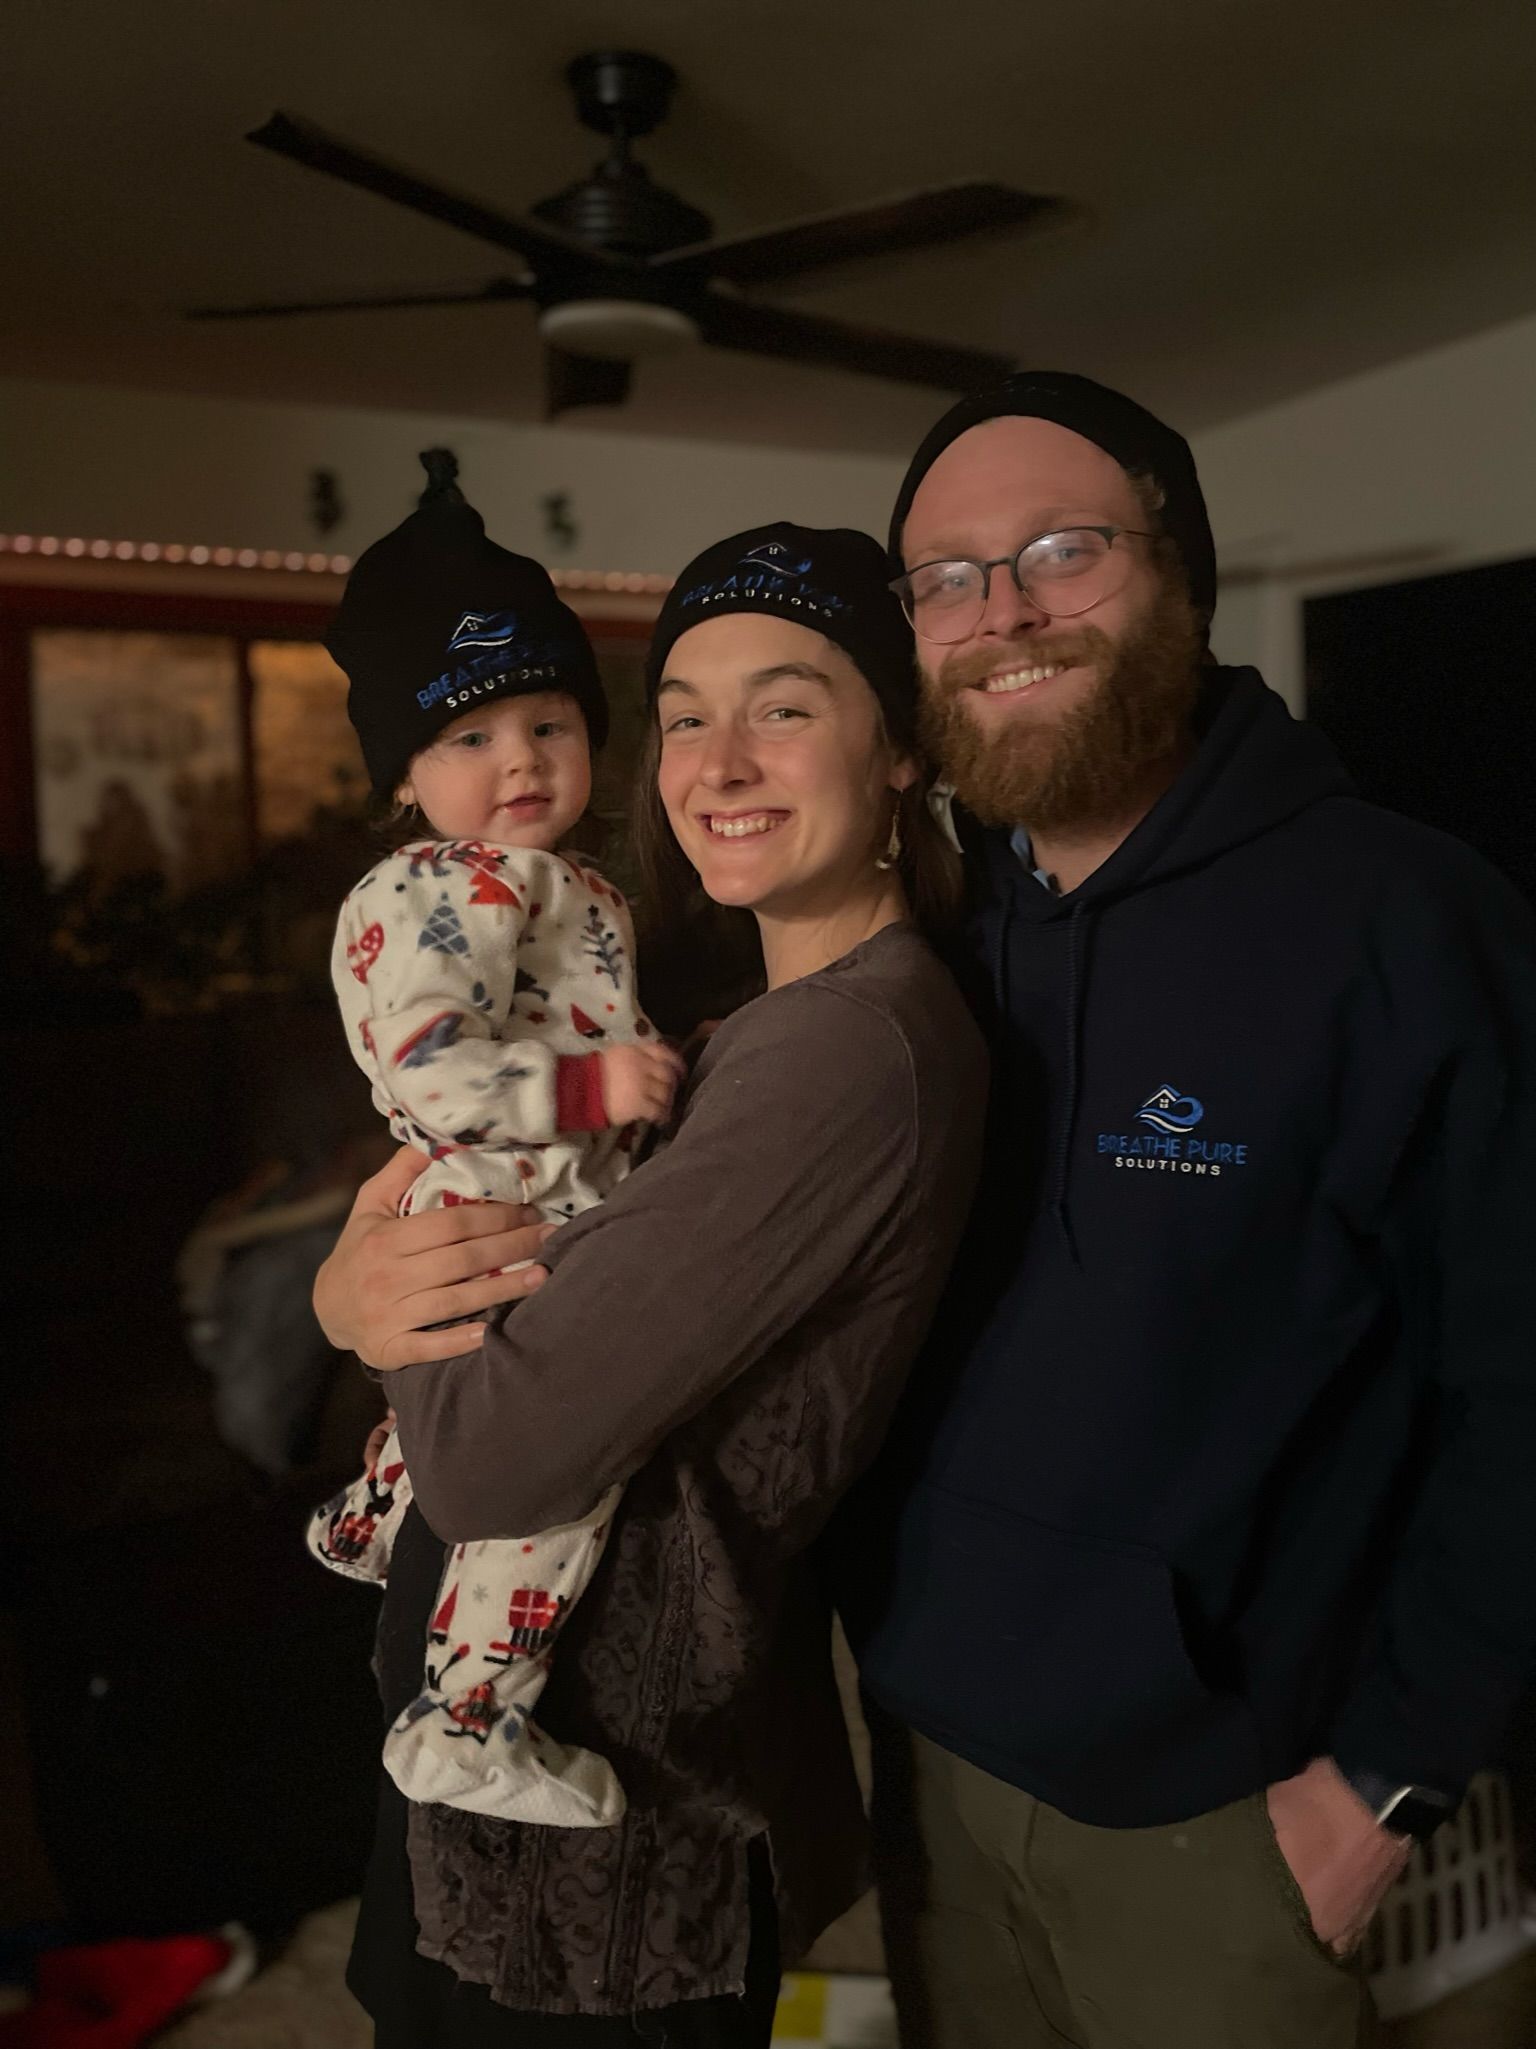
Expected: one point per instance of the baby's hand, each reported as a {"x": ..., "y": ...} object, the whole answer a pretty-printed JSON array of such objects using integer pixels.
[{"x": 639, "y": 1083}]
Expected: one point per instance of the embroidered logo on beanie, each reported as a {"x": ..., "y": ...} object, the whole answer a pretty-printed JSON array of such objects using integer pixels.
[
  {"x": 775, "y": 556},
  {"x": 770, "y": 575},
  {"x": 493, "y": 660},
  {"x": 490, "y": 677},
  {"x": 482, "y": 629}
]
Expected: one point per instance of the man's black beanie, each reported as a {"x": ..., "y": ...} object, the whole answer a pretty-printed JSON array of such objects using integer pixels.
[
  {"x": 832, "y": 579},
  {"x": 1137, "y": 440},
  {"x": 436, "y": 619}
]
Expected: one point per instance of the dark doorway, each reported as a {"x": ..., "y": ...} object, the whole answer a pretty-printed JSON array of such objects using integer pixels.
[{"x": 1428, "y": 690}]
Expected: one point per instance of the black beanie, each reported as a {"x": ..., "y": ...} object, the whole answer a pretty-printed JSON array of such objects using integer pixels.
[
  {"x": 1137, "y": 440},
  {"x": 436, "y": 618},
  {"x": 831, "y": 579}
]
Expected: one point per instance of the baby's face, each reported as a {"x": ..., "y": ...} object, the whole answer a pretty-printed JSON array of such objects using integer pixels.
[{"x": 517, "y": 772}]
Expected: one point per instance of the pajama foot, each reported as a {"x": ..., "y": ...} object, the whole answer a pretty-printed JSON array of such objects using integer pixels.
[
  {"x": 355, "y": 1532},
  {"x": 471, "y": 1752}
]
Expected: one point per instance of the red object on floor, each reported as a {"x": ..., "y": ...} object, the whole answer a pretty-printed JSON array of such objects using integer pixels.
[{"x": 112, "y": 1995}]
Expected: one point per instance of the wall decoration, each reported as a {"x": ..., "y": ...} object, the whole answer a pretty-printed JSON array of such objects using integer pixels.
[
  {"x": 327, "y": 508},
  {"x": 188, "y": 780},
  {"x": 142, "y": 733},
  {"x": 304, "y": 752},
  {"x": 560, "y": 524}
]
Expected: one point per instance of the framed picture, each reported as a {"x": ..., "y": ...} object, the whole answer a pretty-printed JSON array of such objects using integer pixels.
[{"x": 177, "y": 719}]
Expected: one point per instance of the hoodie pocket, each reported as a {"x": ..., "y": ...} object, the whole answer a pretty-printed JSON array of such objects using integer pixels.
[{"x": 1039, "y": 1640}]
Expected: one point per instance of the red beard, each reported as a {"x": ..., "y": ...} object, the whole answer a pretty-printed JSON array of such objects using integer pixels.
[{"x": 1087, "y": 768}]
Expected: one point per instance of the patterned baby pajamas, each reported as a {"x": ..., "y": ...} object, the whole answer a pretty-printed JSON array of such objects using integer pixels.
[{"x": 478, "y": 983}]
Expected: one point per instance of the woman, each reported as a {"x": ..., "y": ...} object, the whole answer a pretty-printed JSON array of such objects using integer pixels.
[{"x": 727, "y": 1334}]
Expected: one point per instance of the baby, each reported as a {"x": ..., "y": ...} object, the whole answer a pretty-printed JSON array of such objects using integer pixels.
[{"x": 487, "y": 985}]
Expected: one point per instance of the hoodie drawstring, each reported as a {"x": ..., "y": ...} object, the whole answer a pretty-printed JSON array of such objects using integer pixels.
[
  {"x": 1000, "y": 977},
  {"x": 1076, "y": 990}
]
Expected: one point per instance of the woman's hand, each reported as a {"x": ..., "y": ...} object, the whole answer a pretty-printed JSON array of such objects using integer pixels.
[{"x": 389, "y": 1275}]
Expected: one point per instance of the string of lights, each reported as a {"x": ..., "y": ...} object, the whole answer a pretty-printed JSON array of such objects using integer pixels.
[{"x": 200, "y": 556}]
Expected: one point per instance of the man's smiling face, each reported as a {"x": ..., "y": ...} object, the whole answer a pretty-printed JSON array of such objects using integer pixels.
[{"x": 1036, "y": 720}]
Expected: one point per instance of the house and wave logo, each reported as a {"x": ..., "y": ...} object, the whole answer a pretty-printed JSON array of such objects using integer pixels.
[
  {"x": 1167, "y": 1110},
  {"x": 777, "y": 559},
  {"x": 483, "y": 629},
  {"x": 772, "y": 572},
  {"x": 487, "y": 652},
  {"x": 1171, "y": 1144}
]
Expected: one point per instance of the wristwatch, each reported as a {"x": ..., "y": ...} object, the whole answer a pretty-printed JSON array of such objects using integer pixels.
[{"x": 1414, "y": 1811}]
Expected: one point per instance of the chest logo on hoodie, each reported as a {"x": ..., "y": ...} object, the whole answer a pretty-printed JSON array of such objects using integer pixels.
[
  {"x": 1170, "y": 1146},
  {"x": 1166, "y": 1110}
]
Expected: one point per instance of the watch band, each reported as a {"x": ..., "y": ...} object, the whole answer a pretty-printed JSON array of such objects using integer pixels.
[{"x": 1405, "y": 1810}]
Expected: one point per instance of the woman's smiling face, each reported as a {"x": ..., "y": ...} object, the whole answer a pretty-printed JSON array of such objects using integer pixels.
[{"x": 776, "y": 773}]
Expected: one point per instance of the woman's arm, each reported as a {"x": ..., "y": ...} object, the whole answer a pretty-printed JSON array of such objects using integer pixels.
[
  {"x": 793, "y": 1161},
  {"x": 388, "y": 1276}
]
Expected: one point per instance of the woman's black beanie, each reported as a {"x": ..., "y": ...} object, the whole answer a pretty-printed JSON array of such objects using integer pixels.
[{"x": 831, "y": 579}]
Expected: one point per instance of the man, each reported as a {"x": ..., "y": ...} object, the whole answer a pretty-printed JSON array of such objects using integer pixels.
[{"x": 1212, "y": 1570}]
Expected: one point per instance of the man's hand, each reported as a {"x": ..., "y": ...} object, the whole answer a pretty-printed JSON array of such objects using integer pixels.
[
  {"x": 639, "y": 1083},
  {"x": 1341, "y": 1857},
  {"x": 388, "y": 1276}
]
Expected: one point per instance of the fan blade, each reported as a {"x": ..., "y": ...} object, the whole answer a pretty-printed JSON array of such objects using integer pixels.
[
  {"x": 885, "y": 227},
  {"x": 761, "y": 330},
  {"x": 540, "y": 245},
  {"x": 571, "y": 380},
  {"x": 382, "y": 302}
]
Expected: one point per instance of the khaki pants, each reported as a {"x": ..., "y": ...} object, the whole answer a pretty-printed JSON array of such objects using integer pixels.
[{"x": 1009, "y": 1926}]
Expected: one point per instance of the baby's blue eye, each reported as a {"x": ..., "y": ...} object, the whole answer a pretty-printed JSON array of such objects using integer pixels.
[{"x": 473, "y": 740}]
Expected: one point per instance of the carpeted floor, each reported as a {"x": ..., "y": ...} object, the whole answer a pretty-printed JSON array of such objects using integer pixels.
[{"x": 300, "y": 2002}]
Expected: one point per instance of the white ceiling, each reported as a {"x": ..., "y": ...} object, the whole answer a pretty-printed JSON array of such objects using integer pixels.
[{"x": 1278, "y": 192}]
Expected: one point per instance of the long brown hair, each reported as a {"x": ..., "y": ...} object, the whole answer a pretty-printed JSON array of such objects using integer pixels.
[{"x": 704, "y": 959}]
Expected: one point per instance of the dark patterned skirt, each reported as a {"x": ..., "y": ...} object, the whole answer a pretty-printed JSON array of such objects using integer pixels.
[{"x": 418, "y": 2003}]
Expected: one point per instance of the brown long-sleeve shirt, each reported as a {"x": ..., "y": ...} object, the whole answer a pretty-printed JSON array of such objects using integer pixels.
[{"x": 728, "y": 1333}]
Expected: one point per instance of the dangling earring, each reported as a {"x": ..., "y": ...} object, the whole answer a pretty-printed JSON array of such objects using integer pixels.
[{"x": 892, "y": 854}]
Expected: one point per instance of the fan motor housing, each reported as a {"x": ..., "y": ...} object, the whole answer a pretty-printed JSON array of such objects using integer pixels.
[{"x": 620, "y": 209}]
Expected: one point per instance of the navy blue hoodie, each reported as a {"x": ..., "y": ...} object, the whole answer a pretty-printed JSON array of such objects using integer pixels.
[{"x": 1223, "y": 1455}]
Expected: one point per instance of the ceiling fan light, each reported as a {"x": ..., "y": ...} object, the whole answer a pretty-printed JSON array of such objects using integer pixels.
[{"x": 621, "y": 329}]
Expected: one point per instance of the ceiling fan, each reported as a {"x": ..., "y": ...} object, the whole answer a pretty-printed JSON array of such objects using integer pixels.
[{"x": 620, "y": 268}]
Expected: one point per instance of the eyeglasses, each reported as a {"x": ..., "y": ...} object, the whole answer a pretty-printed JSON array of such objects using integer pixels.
[{"x": 1065, "y": 574}]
